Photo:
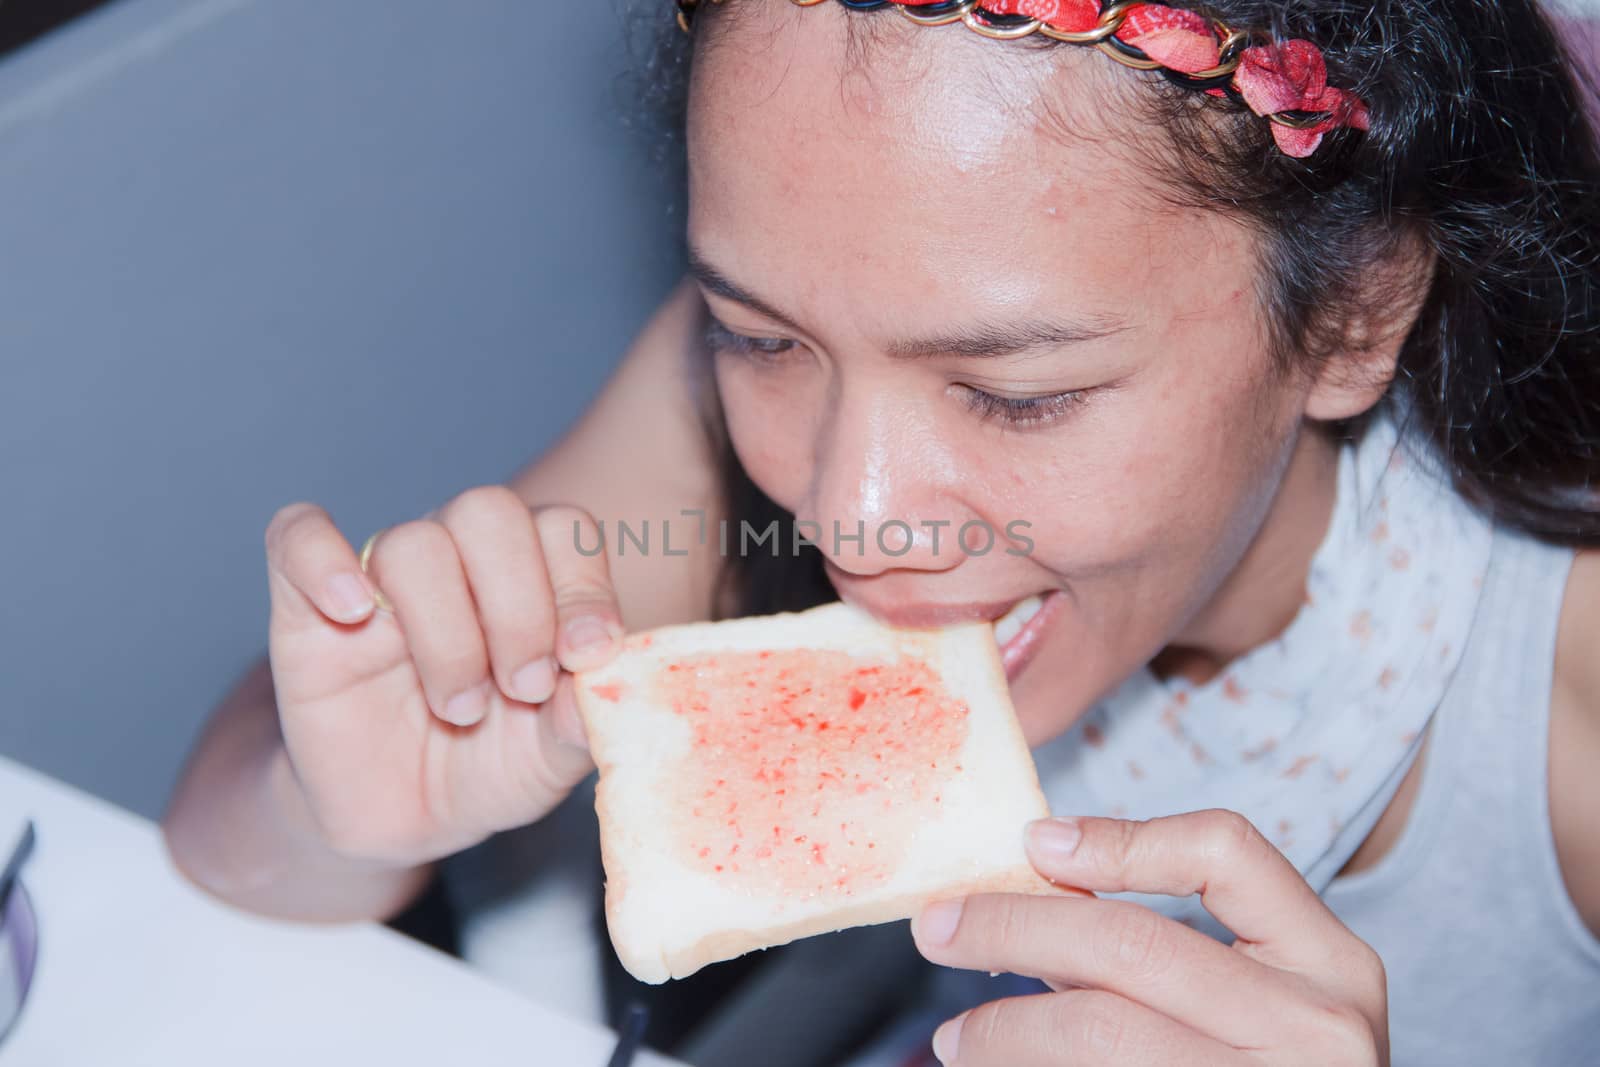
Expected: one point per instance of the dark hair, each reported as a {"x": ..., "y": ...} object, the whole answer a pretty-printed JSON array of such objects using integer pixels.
[{"x": 1480, "y": 156}]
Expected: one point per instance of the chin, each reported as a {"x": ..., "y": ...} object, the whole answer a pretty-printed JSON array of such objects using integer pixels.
[{"x": 1042, "y": 712}]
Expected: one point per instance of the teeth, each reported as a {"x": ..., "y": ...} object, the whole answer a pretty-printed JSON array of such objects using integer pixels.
[{"x": 1011, "y": 623}]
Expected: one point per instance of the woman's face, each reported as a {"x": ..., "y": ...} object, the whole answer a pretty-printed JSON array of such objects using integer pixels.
[{"x": 963, "y": 317}]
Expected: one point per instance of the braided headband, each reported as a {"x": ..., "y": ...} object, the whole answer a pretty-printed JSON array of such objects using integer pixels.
[{"x": 1286, "y": 82}]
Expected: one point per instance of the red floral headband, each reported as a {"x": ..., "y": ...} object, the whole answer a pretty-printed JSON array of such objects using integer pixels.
[{"x": 1284, "y": 82}]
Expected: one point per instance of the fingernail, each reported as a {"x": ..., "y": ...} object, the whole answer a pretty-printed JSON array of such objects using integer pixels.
[
  {"x": 468, "y": 707},
  {"x": 1053, "y": 840},
  {"x": 588, "y": 634},
  {"x": 937, "y": 923},
  {"x": 947, "y": 1039},
  {"x": 350, "y": 600},
  {"x": 536, "y": 682}
]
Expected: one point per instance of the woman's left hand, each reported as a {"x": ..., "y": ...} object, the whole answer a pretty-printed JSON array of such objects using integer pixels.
[{"x": 1134, "y": 987}]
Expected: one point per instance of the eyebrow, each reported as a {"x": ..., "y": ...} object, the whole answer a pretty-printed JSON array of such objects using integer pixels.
[
  {"x": 984, "y": 340},
  {"x": 719, "y": 284}
]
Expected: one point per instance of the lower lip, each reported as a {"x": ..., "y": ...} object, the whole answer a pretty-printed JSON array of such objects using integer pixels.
[{"x": 1017, "y": 653}]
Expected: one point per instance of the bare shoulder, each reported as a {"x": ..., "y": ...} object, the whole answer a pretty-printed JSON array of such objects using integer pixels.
[
  {"x": 640, "y": 454},
  {"x": 1575, "y": 738}
]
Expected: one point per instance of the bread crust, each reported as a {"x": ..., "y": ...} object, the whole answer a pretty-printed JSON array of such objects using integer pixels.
[{"x": 727, "y": 944}]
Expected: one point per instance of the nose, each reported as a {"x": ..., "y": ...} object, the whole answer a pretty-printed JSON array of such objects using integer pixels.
[{"x": 883, "y": 494}]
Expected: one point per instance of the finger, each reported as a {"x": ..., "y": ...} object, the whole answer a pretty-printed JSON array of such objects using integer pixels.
[
  {"x": 1117, "y": 946},
  {"x": 589, "y": 623},
  {"x": 561, "y": 723},
  {"x": 417, "y": 567},
  {"x": 312, "y": 572},
  {"x": 548, "y": 753},
  {"x": 1085, "y": 1027},
  {"x": 1242, "y": 879},
  {"x": 499, "y": 549}
]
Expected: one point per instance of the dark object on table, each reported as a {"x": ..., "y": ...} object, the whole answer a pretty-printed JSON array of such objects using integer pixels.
[
  {"x": 806, "y": 1004},
  {"x": 675, "y": 1007},
  {"x": 19, "y": 935},
  {"x": 630, "y": 1036},
  {"x": 19, "y": 856}
]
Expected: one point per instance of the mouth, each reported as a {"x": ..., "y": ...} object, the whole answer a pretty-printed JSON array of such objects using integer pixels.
[
  {"x": 1019, "y": 626},
  {"x": 1019, "y": 631}
]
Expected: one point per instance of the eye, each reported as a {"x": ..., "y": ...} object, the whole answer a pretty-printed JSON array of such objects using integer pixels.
[
  {"x": 1023, "y": 411},
  {"x": 719, "y": 339}
]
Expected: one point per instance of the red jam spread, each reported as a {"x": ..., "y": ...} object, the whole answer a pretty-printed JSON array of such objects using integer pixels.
[{"x": 799, "y": 758}]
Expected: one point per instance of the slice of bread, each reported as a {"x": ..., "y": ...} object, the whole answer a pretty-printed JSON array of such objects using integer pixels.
[{"x": 767, "y": 779}]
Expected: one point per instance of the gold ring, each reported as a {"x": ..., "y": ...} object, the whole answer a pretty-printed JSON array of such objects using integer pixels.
[{"x": 366, "y": 556}]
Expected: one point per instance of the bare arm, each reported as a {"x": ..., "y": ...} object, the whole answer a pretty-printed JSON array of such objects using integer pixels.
[
  {"x": 240, "y": 826},
  {"x": 639, "y": 453},
  {"x": 1575, "y": 739}
]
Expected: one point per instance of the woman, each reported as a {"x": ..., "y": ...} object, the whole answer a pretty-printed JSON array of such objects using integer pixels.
[{"x": 1287, "y": 357}]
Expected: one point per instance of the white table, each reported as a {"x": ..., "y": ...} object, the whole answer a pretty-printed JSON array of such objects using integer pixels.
[{"x": 137, "y": 967}]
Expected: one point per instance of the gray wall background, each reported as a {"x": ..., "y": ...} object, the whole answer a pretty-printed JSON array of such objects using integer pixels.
[{"x": 363, "y": 252}]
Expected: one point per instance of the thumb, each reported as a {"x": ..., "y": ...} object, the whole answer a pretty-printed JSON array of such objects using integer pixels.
[{"x": 563, "y": 743}]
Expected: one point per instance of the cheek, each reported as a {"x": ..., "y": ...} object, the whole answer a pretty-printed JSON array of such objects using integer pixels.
[
  {"x": 770, "y": 419},
  {"x": 1202, "y": 435},
  {"x": 1168, "y": 473}
]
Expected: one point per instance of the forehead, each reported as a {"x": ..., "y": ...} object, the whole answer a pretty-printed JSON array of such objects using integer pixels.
[{"x": 927, "y": 159}]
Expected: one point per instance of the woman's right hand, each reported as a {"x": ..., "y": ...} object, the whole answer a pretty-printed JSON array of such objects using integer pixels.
[{"x": 418, "y": 733}]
